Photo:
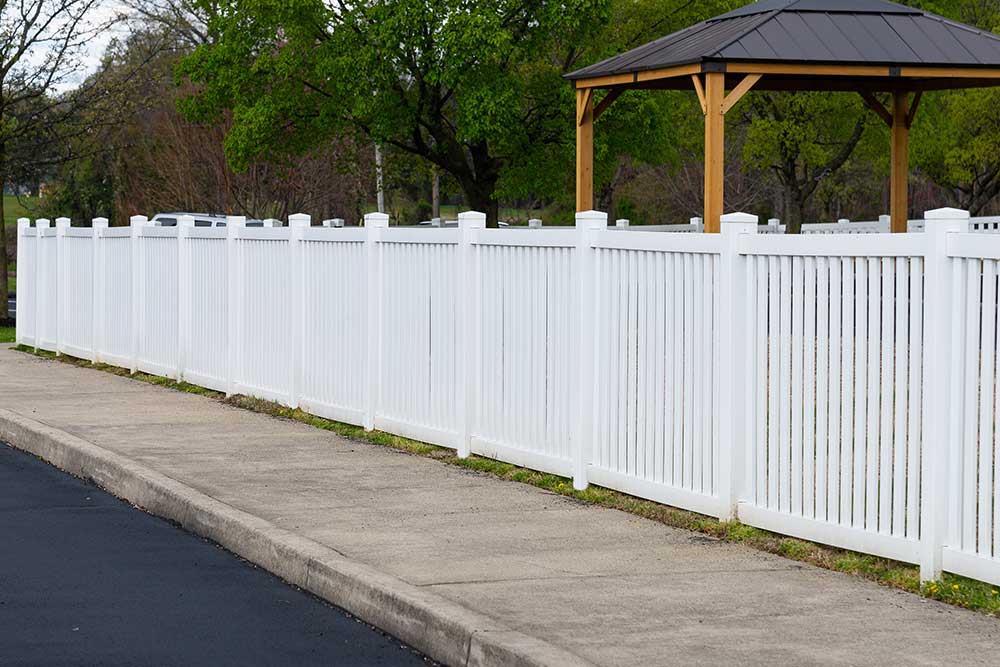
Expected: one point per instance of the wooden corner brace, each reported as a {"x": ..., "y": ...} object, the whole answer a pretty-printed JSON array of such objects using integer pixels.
[{"x": 737, "y": 93}]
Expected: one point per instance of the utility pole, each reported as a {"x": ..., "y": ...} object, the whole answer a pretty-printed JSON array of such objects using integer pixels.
[{"x": 379, "y": 188}]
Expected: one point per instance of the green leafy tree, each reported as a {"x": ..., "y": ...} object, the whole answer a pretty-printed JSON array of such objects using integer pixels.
[
  {"x": 956, "y": 141},
  {"x": 474, "y": 88},
  {"x": 802, "y": 139}
]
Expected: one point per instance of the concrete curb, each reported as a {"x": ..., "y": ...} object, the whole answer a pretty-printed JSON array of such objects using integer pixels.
[{"x": 436, "y": 626}]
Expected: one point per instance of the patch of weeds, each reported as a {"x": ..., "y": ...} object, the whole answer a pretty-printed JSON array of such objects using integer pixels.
[{"x": 960, "y": 591}]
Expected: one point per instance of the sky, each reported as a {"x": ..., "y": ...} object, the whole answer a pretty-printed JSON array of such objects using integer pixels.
[{"x": 90, "y": 57}]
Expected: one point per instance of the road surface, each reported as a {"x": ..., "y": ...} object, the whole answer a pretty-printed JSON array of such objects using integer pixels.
[{"x": 87, "y": 579}]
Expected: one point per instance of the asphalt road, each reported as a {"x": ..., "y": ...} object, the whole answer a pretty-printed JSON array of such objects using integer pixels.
[{"x": 87, "y": 579}]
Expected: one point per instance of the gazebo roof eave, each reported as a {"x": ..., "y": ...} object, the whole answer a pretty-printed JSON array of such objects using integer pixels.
[{"x": 896, "y": 72}]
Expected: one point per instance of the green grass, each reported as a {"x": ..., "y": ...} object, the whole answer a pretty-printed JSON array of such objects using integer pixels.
[
  {"x": 14, "y": 208},
  {"x": 6, "y": 334},
  {"x": 952, "y": 589}
]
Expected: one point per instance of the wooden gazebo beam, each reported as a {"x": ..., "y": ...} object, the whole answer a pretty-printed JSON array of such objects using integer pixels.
[{"x": 709, "y": 80}]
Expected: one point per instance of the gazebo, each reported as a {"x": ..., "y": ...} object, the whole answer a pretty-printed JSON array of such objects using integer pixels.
[{"x": 866, "y": 46}]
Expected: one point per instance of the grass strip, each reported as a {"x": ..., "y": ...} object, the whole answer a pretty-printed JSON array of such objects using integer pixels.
[{"x": 952, "y": 589}]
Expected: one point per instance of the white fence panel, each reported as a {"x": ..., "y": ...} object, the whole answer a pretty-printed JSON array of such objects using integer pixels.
[
  {"x": 835, "y": 384},
  {"x": 418, "y": 334},
  {"x": 48, "y": 289},
  {"x": 78, "y": 292},
  {"x": 657, "y": 330},
  {"x": 265, "y": 283},
  {"x": 526, "y": 388},
  {"x": 114, "y": 344},
  {"x": 157, "y": 266},
  {"x": 972, "y": 542},
  {"x": 334, "y": 338},
  {"x": 207, "y": 336},
  {"x": 27, "y": 295}
]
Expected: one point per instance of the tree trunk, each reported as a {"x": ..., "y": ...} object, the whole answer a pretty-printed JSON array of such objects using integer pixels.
[
  {"x": 4, "y": 264},
  {"x": 479, "y": 196},
  {"x": 794, "y": 210},
  {"x": 436, "y": 194}
]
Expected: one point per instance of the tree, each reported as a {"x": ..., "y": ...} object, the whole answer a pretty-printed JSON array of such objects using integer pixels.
[
  {"x": 40, "y": 48},
  {"x": 803, "y": 138},
  {"x": 154, "y": 160},
  {"x": 474, "y": 88},
  {"x": 957, "y": 145}
]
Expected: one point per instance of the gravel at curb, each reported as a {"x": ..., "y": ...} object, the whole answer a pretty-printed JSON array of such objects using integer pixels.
[{"x": 440, "y": 628}]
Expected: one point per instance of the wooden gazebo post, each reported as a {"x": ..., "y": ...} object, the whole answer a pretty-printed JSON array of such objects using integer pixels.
[
  {"x": 715, "y": 148},
  {"x": 584, "y": 149},
  {"x": 752, "y": 44}
]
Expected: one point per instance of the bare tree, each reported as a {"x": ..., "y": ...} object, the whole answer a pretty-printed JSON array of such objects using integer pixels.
[{"x": 42, "y": 43}]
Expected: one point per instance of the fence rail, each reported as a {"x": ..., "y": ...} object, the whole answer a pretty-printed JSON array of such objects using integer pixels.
[{"x": 840, "y": 388}]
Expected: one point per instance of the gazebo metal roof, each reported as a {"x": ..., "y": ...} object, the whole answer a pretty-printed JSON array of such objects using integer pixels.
[
  {"x": 871, "y": 32},
  {"x": 867, "y": 46}
]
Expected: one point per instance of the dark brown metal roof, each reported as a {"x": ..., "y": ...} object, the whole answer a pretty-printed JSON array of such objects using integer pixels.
[{"x": 853, "y": 32}]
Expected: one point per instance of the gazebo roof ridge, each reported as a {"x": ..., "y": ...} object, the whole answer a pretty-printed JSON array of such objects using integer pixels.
[{"x": 841, "y": 32}]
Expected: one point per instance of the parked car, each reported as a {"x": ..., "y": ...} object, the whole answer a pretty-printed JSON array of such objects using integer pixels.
[{"x": 206, "y": 220}]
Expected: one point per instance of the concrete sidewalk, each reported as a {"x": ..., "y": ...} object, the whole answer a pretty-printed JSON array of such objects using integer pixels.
[{"x": 478, "y": 570}]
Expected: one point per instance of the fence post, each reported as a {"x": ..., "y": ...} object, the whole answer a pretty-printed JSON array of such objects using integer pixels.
[
  {"x": 297, "y": 224},
  {"x": 374, "y": 224},
  {"x": 62, "y": 284},
  {"x": 185, "y": 224},
  {"x": 234, "y": 303},
  {"x": 469, "y": 223},
  {"x": 621, "y": 222},
  {"x": 97, "y": 225},
  {"x": 40, "y": 226},
  {"x": 698, "y": 224},
  {"x": 942, "y": 359},
  {"x": 535, "y": 223},
  {"x": 136, "y": 223},
  {"x": 587, "y": 223},
  {"x": 22, "y": 230},
  {"x": 733, "y": 390}
]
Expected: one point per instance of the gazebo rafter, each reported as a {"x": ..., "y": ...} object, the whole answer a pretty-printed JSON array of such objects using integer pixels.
[{"x": 864, "y": 46}]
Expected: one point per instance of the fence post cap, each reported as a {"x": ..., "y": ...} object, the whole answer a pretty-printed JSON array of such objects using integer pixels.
[
  {"x": 591, "y": 220},
  {"x": 738, "y": 217},
  {"x": 946, "y": 213},
  {"x": 299, "y": 220},
  {"x": 695, "y": 221},
  {"x": 535, "y": 222},
  {"x": 42, "y": 222},
  {"x": 236, "y": 221},
  {"x": 23, "y": 222},
  {"x": 376, "y": 220},
  {"x": 884, "y": 219},
  {"x": 62, "y": 222},
  {"x": 99, "y": 222},
  {"x": 621, "y": 222},
  {"x": 185, "y": 221},
  {"x": 774, "y": 222},
  {"x": 138, "y": 220},
  {"x": 472, "y": 220}
]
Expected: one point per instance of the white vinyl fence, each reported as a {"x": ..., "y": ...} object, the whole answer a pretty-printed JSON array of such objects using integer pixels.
[{"x": 838, "y": 387}]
